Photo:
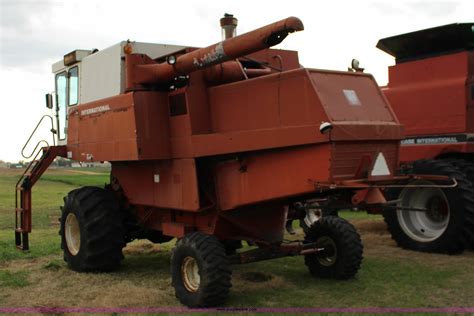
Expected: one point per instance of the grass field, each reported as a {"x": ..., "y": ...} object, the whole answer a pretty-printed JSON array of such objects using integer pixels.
[{"x": 389, "y": 277}]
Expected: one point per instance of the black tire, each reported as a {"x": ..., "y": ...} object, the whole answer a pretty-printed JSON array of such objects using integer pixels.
[
  {"x": 342, "y": 256},
  {"x": 206, "y": 254},
  {"x": 92, "y": 232},
  {"x": 467, "y": 168},
  {"x": 448, "y": 227}
]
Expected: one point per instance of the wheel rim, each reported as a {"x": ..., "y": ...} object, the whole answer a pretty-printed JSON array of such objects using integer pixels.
[
  {"x": 328, "y": 255},
  {"x": 190, "y": 274},
  {"x": 424, "y": 226},
  {"x": 72, "y": 234}
]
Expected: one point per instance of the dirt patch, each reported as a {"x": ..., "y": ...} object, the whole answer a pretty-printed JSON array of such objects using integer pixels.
[
  {"x": 51, "y": 170},
  {"x": 253, "y": 280},
  {"x": 142, "y": 247},
  {"x": 60, "y": 286},
  {"x": 71, "y": 171},
  {"x": 256, "y": 276},
  {"x": 54, "y": 220},
  {"x": 11, "y": 172},
  {"x": 371, "y": 226}
]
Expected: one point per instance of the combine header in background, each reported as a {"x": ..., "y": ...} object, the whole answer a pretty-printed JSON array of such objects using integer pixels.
[
  {"x": 431, "y": 89},
  {"x": 215, "y": 146}
]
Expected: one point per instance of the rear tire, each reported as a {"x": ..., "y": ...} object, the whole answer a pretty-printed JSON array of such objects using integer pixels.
[
  {"x": 200, "y": 271},
  {"x": 447, "y": 226},
  {"x": 92, "y": 232},
  {"x": 467, "y": 168},
  {"x": 342, "y": 254}
]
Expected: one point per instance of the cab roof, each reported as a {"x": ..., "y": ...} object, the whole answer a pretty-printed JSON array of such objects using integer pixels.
[{"x": 429, "y": 42}]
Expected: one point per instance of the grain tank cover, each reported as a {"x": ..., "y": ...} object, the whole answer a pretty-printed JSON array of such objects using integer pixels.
[
  {"x": 429, "y": 42},
  {"x": 352, "y": 98}
]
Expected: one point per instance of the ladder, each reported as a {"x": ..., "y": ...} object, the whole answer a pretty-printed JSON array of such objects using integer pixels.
[{"x": 23, "y": 192}]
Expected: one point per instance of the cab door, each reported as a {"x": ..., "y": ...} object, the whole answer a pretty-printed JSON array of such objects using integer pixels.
[{"x": 67, "y": 95}]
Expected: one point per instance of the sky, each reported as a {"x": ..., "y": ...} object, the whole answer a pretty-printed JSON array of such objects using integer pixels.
[{"x": 36, "y": 33}]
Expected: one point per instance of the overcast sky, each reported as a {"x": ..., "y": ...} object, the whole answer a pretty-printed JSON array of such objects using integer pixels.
[{"x": 36, "y": 33}]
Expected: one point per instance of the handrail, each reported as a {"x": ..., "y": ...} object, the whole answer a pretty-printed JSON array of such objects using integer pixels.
[
  {"x": 30, "y": 165},
  {"x": 53, "y": 131}
]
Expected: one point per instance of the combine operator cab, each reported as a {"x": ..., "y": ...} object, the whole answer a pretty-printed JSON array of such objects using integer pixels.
[{"x": 88, "y": 75}]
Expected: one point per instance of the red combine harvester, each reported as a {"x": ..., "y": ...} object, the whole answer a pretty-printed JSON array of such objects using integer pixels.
[
  {"x": 215, "y": 146},
  {"x": 431, "y": 89}
]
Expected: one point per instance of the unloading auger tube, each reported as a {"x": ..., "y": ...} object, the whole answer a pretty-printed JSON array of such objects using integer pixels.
[{"x": 229, "y": 49}]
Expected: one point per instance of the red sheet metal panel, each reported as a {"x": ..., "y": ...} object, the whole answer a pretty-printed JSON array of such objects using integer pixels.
[
  {"x": 286, "y": 99},
  {"x": 163, "y": 183},
  {"x": 286, "y": 110},
  {"x": 105, "y": 130},
  {"x": 268, "y": 112},
  {"x": 241, "y": 141},
  {"x": 352, "y": 97},
  {"x": 429, "y": 95},
  {"x": 131, "y": 126},
  {"x": 352, "y": 160},
  {"x": 271, "y": 175},
  {"x": 176, "y": 229},
  {"x": 245, "y": 105},
  {"x": 152, "y": 124},
  {"x": 176, "y": 186}
]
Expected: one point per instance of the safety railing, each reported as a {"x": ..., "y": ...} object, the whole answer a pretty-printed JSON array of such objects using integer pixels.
[{"x": 35, "y": 150}]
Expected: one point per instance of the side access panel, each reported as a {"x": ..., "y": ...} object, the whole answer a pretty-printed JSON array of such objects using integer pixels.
[
  {"x": 132, "y": 126},
  {"x": 271, "y": 175},
  {"x": 168, "y": 184}
]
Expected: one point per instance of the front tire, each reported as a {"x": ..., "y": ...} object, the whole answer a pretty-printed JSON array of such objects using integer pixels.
[
  {"x": 446, "y": 226},
  {"x": 92, "y": 232},
  {"x": 200, "y": 271},
  {"x": 342, "y": 254}
]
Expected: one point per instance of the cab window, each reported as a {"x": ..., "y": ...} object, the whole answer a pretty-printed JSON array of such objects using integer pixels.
[
  {"x": 61, "y": 93},
  {"x": 73, "y": 86}
]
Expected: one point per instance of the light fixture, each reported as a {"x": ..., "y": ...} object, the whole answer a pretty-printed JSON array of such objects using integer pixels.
[
  {"x": 355, "y": 66},
  {"x": 325, "y": 127},
  {"x": 171, "y": 59}
]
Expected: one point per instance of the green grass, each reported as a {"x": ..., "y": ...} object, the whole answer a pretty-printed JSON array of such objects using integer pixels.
[
  {"x": 98, "y": 180},
  {"x": 53, "y": 265},
  {"x": 43, "y": 242},
  {"x": 380, "y": 282},
  {"x": 47, "y": 196},
  {"x": 359, "y": 215},
  {"x": 389, "y": 277},
  {"x": 13, "y": 279}
]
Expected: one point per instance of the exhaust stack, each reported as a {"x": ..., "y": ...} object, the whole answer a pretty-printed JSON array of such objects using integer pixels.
[{"x": 229, "y": 26}]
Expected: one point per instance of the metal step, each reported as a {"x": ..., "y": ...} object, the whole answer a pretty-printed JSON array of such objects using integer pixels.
[
  {"x": 21, "y": 240},
  {"x": 23, "y": 192}
]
